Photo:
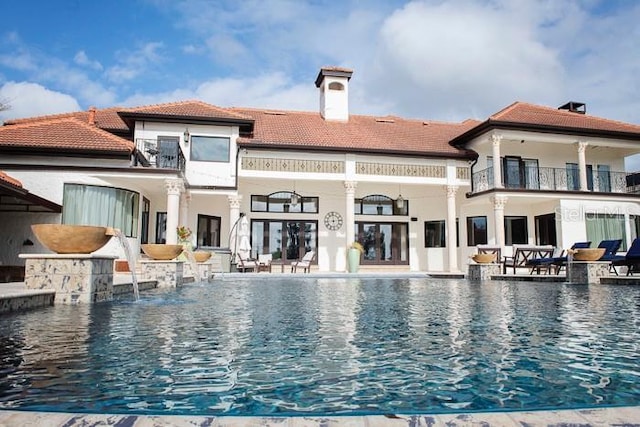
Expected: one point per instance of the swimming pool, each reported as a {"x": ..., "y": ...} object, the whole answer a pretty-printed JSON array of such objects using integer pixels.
[{"x": 328, "y": 346}]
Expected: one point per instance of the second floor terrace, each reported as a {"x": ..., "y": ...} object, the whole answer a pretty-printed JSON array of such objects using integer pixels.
[{"x": 531, "y": 177}]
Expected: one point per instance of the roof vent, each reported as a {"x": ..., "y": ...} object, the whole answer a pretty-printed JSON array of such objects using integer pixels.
[
  {"x": 385, "y": 120},
  {"x": 574, "y": 107}
]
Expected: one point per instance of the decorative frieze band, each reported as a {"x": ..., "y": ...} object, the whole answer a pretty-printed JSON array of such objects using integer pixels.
[
  {"x": 425, "y": 171},
  {"x": 292, "y": 165}
]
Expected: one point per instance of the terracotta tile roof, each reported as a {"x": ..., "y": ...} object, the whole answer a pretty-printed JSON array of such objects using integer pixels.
[
  {"x": 190, "y": 108},
  {"x": 361, "y": 133},
  {"x": 62, "y": 134},
  {"x": 106, "y": 118},
  {"x": 10, "y": 180},
  {"x": 522, "y": 112}
]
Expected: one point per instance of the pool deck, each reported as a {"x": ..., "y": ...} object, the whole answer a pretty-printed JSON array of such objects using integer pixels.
[
  {"x": 621, "y": 416},
  {"x": 618, "y": 416}
]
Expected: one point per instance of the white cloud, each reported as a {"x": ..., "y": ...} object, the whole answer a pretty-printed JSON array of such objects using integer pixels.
[
  {"x": 82, "y": 59},
  {"x": 132, "y": 64},
  {"x": 31, "y": 99}
]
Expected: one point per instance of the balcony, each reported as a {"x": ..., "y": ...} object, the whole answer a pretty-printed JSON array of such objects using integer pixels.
[
  {"x": 555, "y": 179},
  {"x": 163, "y": 154}
]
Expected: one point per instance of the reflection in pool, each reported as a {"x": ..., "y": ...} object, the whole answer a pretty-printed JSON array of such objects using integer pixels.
[{"x": 282, "y": 346}]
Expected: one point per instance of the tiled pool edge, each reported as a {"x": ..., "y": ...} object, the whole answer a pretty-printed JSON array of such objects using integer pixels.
[{"x": 620, "y": 416}]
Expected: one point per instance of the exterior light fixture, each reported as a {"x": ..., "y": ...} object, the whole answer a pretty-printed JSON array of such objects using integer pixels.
[
  {"x": 400, "y": 199},
  {"x": 294, "y": 196},
  {"x": 186, "y": 136}
]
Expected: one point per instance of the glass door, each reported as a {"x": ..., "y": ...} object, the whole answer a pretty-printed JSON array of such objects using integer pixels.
[
  {"x": 384, "y": 243},
  {"x": 512, "y": 172}
]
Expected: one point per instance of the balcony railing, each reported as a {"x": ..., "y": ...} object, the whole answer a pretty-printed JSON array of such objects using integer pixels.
[
  {"x": 163, "y": 155},
  {"x": 554, "y": 179}
]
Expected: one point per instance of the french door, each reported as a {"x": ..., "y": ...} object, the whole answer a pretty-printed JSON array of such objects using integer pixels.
[{"x": 384, "y": 243}]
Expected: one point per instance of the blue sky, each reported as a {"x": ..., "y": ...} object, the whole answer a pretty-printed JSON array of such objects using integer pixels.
[{"x": 429, "y": 59}]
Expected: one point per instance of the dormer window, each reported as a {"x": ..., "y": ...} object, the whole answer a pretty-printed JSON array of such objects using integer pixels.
[{"x": 336, "y": 86}]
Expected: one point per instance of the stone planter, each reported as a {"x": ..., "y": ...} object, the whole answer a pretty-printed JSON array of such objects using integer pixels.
[
  {"x": 160, "y": 251},
  {"x": 71, "y": 239}
]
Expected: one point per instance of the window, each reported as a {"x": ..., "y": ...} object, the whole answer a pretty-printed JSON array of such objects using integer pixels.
[
  {"x": 336, "y": 86},
  {"x": 167, "y": 155},
  {"x": 281, "y": 202},
  {"x": 144, "y": 233},
  {"x": 546, "y": 229},
  {"x": 434, "y": 234},
  {"x": 605, "y": 227},
  {"x": 515, "y": 230},
  {"x": 208, "y": 233},
  {"x": 161, "y": 227},
  {"x": 101, "y": 206},
  {"x": 210, "y": 149},
  {"x": 378, "y": 204},
  {"x": 476, "y": 230}
]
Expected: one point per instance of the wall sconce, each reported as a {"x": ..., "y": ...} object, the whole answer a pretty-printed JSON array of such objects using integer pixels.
[
  {"x": 186, "y": 136},
  {"x": 294, "y": 196},
  {"x": 400, "y": 200},
  {"x": 27, "y": 242}
]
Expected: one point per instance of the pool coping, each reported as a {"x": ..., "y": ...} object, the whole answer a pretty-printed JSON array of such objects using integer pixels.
[{"x": 619, "y": 416}]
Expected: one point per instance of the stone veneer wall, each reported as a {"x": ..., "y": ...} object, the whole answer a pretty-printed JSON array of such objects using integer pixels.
[
  {"x": 75, "y": 278},
  {"x": 26, "y": 302}
]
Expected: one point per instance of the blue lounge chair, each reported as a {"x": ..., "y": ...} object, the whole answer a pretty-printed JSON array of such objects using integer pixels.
[
  {"x": 561, "y": 261},
  {"x": 631, "y": 260},
  {"x": 611, "y": 248}
]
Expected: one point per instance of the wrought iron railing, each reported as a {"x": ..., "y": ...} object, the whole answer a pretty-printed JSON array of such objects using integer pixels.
[
  {"x": 555, "y": 179},
  {"x": 166, "y": 155}
]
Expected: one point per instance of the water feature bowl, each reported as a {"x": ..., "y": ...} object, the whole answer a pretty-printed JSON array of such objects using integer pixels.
[
  {"x": 159, "y": 251},
  {"x": 484, "y": 258},
  {"x": 201, "y": 256},
  {"x": 71, "y": 239},
  {"x": 588, "y": 254}
]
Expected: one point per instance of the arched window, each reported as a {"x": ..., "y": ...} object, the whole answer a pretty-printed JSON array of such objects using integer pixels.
[
  {"x": 378, "y": 204},
  {"x": 336, "y": 86},
  {"x": 284, "y": 201}
]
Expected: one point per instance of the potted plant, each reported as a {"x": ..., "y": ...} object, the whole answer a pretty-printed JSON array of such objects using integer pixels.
[
  {"x": 184, "y": 237},
  {"x": 354, "y": 253}
]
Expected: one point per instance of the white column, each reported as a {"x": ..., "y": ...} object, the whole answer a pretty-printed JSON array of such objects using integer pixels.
[
  {"x": 185, "y": 200},
  {"x": 498, "y": 213},
  {"x": 234, "y": 216},
  {"x": 174, "y": 188},
  {"x": 582, "y": 165},
  {"x": 497, "y": 172},
  {"x": 350, "y": 216},
  {"x": 451, "y": 227}
]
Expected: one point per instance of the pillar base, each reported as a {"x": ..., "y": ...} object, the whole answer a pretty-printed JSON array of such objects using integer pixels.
[
  {"x": 76, "y": 278},
  {"x": 587, "y": 272},
  {"x": 168, "y": 274},
  {"x": 480, "y": 272}
]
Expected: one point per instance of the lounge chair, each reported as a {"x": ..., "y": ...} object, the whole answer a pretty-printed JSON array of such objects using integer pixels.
[
  {"x": 304, "y": 263},
  {"x": 631, "y": 260},
  {"x": 247, "y": 264},
  {"x": 522, "y": 255},
  {"x": 264, "y": 262},
  {"x": 561, "y": 261},
  {"x": 611, "y": 248}
]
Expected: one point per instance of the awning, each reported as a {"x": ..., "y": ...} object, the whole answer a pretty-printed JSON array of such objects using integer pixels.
[{"x": 14, "y": 198}]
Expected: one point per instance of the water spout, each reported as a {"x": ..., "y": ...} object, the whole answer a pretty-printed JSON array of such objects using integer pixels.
[
  {"x": 129, "y": 256},
  {"x": 188, "y": 253}
]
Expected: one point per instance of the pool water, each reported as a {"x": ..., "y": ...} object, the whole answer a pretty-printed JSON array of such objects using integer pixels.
[{"x": 328, "y": 346}]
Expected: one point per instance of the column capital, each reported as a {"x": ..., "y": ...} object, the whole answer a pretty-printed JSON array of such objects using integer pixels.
[
  {"x": 495, "y": 139},
  {"x": 234, "y": 201},
  {"x": 350, "y": 186},
  {"x": 174, "y": 186},
  {"x": 499, "y": 201},
  {"x": 582, "y": 146},
  {"x": 451, "y": 190}
]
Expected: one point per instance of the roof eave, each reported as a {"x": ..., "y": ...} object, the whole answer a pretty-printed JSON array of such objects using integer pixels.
[
  {"x": 130, "y": 117},
  {"x": 566, "y": 130}
]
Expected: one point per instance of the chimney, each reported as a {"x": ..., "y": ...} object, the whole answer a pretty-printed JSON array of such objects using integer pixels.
[
  {"x": 333, "y": 83},
  {"x": 574, "y": 107},
  {"x": 92, "y": 115}
]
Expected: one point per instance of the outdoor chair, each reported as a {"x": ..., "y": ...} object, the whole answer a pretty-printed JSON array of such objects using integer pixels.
[
  {"x": 560, "y": 262},
  {"x": 631, "y": 260},
  {"x": 247, "y": 264},
  {"x": 264, "y": 262},
  {"x": 304, "y": 263},
  {"x": 522, "y": 255}
]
